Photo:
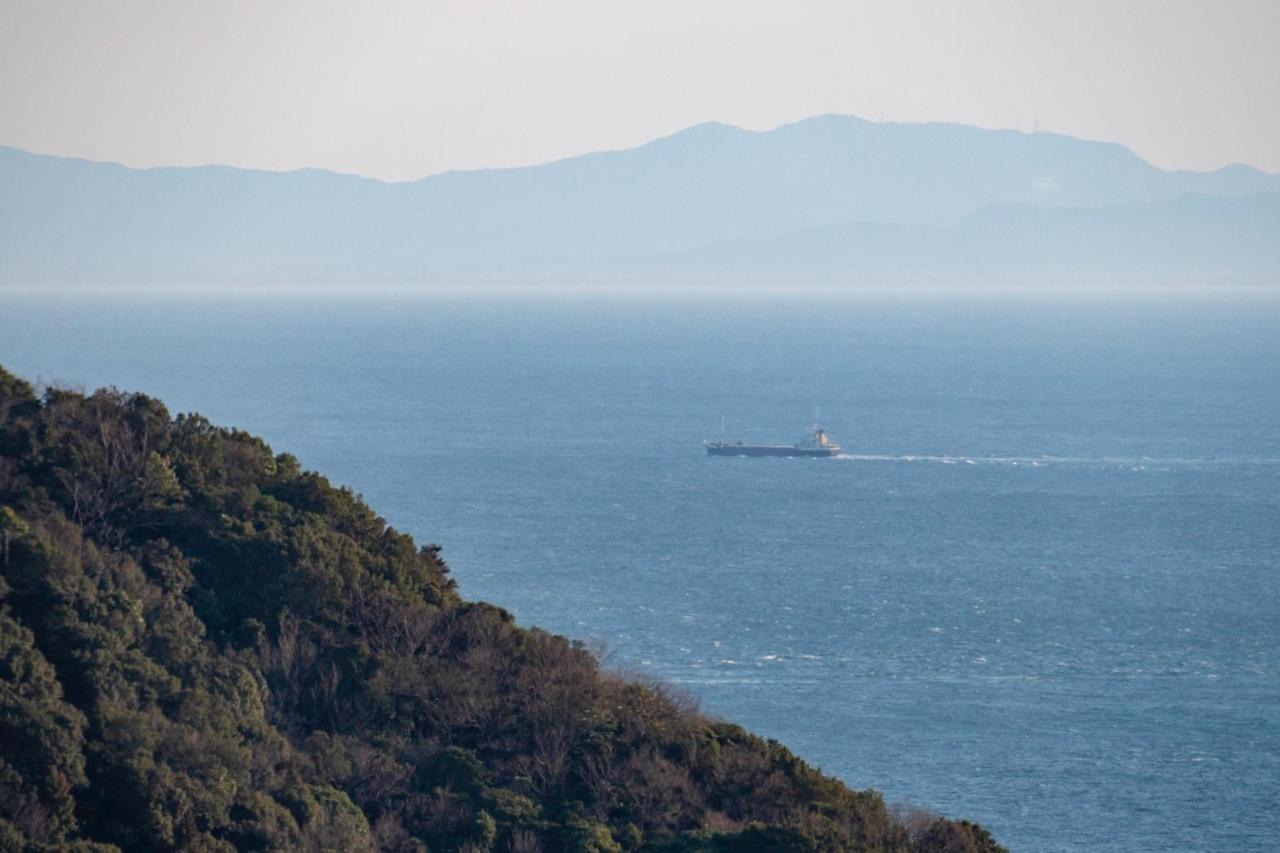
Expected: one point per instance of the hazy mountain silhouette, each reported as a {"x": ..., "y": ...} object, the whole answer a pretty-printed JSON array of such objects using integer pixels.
[
  {"x": 73, "y": 221},
  {"x": 1191, "y": 236}
]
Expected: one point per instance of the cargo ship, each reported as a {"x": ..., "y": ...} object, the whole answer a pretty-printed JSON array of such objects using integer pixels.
[{"x": 818, "y": 444}]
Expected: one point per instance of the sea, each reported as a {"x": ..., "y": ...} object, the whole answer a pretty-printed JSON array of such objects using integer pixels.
[{"x": 1040, "y": 588}]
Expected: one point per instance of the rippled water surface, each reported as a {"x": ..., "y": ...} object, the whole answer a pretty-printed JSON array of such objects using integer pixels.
[{"x": 1039, "y": 589}]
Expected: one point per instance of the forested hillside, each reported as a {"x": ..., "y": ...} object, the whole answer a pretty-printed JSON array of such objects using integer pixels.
[{"x": 203, "y": 647}]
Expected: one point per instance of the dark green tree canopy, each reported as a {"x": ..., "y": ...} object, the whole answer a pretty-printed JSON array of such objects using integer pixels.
[{"x": 203, "y": 647}]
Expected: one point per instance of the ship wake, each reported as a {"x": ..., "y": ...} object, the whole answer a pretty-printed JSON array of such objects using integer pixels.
[{"x": 1133, "y": 462}]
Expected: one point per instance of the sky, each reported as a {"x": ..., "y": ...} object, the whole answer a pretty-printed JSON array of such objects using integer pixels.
[{"x": 400, "y": 90}]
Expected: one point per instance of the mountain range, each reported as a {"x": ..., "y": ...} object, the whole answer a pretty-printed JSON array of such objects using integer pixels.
[{"x": 830, "y": 196}]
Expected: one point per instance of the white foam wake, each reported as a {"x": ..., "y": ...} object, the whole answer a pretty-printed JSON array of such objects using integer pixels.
[{"x": 1039, "y": 461}]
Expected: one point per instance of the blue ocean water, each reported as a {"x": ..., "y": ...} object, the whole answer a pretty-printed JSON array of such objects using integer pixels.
[{"x": 1040, "y": 590}]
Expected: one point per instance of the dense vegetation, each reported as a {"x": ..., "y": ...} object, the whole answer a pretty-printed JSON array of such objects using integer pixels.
[{"x": 204, "y": 647}]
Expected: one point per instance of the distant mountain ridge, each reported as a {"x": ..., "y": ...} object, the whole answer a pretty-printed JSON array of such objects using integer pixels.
[
  {"x": 1200, "y": 235},
  {"x": 73, "y": 221}
]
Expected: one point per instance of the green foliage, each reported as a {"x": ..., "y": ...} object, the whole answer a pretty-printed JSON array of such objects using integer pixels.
[
  {"x": 589, "y": 837},
  {"x": 43, "y": 760},
  {"x": 204, "y": 647},
  {"x": 485, "y": 830},
  {"x": 945, "y": 836}
]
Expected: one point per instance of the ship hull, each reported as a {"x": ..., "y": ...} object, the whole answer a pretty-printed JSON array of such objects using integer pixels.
[{"x": 770, "y": 450}]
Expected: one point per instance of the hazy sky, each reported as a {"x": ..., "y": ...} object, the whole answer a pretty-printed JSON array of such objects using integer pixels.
[{"x": 398, "y": 90}]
